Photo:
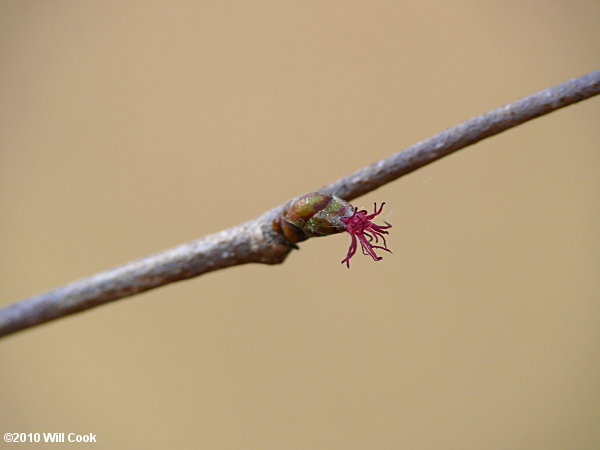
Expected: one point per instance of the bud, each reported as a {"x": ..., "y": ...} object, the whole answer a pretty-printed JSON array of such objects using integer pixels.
[{"x": 317, "y": 214}]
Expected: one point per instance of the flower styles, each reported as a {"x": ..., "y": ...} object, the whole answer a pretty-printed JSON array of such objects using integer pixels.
[
  {"x": 363, "y": 230},
  {"x": 317, "y": 214}
]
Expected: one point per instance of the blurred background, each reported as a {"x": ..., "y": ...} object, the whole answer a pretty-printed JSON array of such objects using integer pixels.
[{"x": 131, "y": 127}]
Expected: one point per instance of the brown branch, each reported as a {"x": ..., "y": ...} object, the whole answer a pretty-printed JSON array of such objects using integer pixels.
[{"x": 255, "y": 241}]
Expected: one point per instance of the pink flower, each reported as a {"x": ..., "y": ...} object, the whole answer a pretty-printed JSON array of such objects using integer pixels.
[{"x": 359, "y": 226}]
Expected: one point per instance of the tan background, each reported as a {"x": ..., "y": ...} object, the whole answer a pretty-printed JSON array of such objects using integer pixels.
[{"x": 130, "y": 127}]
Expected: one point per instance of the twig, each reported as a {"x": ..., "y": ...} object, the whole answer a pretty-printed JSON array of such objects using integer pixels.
[{"x": 255, "y": 241}]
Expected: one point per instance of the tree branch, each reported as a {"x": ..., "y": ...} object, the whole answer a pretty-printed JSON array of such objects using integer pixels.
[{"x": 255, "y": 241}]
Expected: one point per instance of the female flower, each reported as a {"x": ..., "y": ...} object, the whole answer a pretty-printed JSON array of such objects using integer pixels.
[
  {"x": 318, "y": 214},
  {"x": 361, "y": 228}
]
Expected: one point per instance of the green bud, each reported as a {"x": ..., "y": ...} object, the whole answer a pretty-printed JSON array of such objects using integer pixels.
[{"x": 313, "y": 215}]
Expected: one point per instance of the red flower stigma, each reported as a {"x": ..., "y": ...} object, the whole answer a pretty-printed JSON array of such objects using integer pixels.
[{"x": 360, "y": 227}]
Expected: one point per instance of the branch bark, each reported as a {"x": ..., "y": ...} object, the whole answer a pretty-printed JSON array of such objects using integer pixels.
[{"x": 255, "y": 241}]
